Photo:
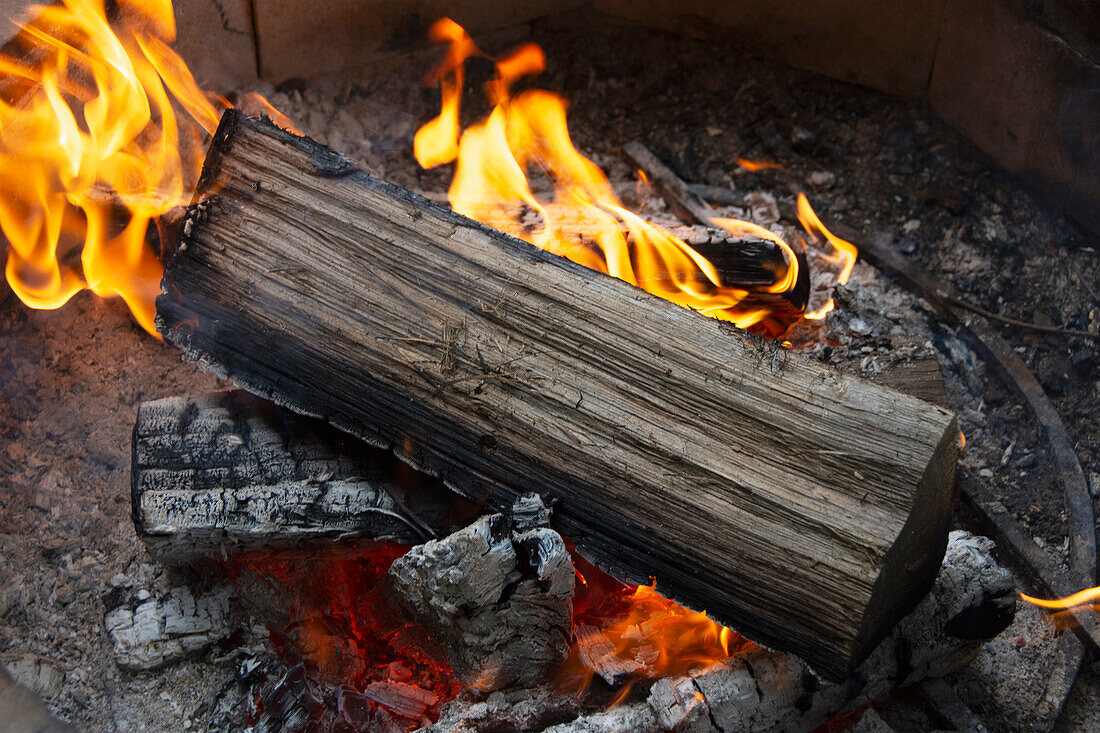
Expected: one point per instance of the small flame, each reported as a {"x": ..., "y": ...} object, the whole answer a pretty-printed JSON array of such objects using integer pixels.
[
  {"x": 91, "y": 150},
  {"x": 844, "y": 252},
  {"x": 639, "y": 633},
  {"x": 758, "y": 165},
  {"x": 585, "y": 221}
]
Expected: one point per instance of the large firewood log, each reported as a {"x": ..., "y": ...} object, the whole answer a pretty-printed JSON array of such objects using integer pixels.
[{"x": 749, "y": 481}]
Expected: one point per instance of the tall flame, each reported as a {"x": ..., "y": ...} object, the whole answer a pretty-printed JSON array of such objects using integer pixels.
[
  {"x": 90, "y": 150},
  {"x": 585, "y": 221}
]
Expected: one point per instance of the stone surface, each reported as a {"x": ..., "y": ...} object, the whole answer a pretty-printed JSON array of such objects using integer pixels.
[
  {"x": 300, "y": 39},
  {"x": 1039, "y": 101},
  {"x": 888, "y": 45}
]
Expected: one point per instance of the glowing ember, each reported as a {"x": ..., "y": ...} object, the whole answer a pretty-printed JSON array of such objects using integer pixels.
[
  {"x": 638, "y": 633},
  {"x": 585, "y": 221},
  {"x": 91, "y": 150},
  {"x": 321, "y": 612},
  {"x": 324, "y": 611}
]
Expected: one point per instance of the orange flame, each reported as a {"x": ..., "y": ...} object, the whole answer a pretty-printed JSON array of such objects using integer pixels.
[
  {"x": 758, "y": 165},
  {"x": 91, "y": 150},
  {"x": 844, "y": 252},
  {"x": 636, "y": 633},
  {"x": 1080, "y": 598},
  {"x": 585, "y": 221}
]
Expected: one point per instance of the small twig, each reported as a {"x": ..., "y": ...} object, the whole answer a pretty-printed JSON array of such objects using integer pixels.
[
  {"x": 959, "y": 302},
  {"x": 669, "y": 186},
  {"x": 717, "y": 194}
]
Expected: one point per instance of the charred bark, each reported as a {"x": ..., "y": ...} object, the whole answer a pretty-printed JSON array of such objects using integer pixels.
[
  {"x": 229, "y": 472},
  {"x": 972, "y": 600}
]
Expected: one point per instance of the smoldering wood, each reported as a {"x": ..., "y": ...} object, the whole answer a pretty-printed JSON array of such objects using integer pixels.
[
  {"x": 229, "y": 472},
  {"x": 749, "y": 481},
  {"x": 972, "y": 600},
  {"x": 494, "y": 598}
]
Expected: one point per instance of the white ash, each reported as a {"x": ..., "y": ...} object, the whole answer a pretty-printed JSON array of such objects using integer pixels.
[{"x": 148, "y": 632}]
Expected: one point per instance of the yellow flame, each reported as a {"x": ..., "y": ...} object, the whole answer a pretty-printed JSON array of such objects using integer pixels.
[
  {"x": 90, "y": 147},
  {"x": 585, "y": 220},
  {"x": 844, "y": 252},
  {"x": 1080, "y": 598}
]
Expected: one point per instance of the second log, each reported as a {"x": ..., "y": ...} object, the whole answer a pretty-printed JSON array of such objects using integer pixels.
[{"x": 805, "y": 508}]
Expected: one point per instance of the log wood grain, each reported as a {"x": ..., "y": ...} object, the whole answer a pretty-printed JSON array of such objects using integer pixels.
[{"x": 804, "y": 507}]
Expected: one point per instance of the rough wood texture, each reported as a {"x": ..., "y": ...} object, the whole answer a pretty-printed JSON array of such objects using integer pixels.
[
  {"x": 972, "y": 600},
  {"x": 495, "y": 598},
  {"x": 750, "y": 482},
  {"x": 230, "y": 472}
]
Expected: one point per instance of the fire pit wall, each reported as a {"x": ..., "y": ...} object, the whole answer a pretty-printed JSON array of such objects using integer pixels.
[{"x": 1019, "y": 78}]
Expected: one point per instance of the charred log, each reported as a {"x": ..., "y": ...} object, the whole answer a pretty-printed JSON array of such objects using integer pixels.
[
  {"x": 225, "y": 473},
  {"x": 749, "y": 481},
  {"x": 751, "y": 263}
]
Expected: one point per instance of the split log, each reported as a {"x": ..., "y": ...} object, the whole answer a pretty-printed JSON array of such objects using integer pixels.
[
  {"x": 972, "y": 600},
  {"x": 229, "y": 472},
  {"x": 749, "y": 481}
]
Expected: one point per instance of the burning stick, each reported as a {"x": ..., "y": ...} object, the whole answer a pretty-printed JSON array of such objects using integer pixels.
[{"x": 750, "y": 482}]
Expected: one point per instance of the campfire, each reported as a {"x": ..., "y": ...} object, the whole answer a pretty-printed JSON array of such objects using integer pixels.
[{"x": 548, "y": 444}]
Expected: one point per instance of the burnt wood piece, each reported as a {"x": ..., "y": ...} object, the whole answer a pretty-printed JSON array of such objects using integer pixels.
[
  {"x": 749, "y": 481},
  {"x": 494, "y": 599},
  {"x": 749, "y": 263},
  {"x": 972, "y": 600},
  {"x": 678, "y": 195},
  {"x": 229, "y": 472}
]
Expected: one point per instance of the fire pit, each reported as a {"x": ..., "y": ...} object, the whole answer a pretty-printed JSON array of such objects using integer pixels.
[{"x": 362, "y": 634}]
